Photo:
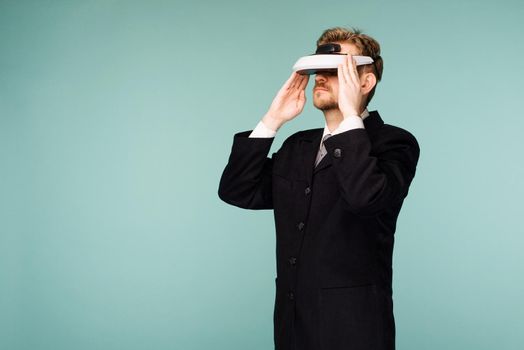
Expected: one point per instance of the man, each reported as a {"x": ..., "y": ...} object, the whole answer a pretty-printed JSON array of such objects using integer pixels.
[{"x": 335, "y": 204}]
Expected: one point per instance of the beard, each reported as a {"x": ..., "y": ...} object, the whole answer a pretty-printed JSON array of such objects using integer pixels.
[{"x": 323, "y": 101}]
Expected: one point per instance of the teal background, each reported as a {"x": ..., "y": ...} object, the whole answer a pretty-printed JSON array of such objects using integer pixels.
[{"x": 117, "y": 118}]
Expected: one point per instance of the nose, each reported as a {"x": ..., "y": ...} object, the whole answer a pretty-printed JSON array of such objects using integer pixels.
[{"x": 320, "y": 77}]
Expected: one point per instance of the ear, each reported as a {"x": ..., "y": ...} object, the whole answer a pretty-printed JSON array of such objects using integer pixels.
[{"x": 367, "y": 82}]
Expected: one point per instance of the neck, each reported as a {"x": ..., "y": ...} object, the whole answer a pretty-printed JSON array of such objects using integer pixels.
[{"x": 334, "y": 117}]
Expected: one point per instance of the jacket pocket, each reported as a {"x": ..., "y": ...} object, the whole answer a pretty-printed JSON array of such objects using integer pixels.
[{"x": 349, "y": 318}]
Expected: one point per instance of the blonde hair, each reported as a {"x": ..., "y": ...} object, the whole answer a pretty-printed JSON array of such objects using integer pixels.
[{"x": 366, "y": 45}]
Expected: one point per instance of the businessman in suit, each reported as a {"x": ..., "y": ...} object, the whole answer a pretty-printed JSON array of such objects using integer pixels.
[{"x": 336, "y": 193}]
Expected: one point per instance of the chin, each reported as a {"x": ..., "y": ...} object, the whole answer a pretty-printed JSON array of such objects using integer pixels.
[{"x": 325, "y": 105}]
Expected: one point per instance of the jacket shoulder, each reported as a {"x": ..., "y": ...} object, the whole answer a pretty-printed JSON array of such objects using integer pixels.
[{"x": 399, "y": 134}]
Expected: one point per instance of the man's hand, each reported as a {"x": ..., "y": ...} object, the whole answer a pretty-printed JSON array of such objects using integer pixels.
[
  {"x": 350, "y": 98},
  {"x": 288, "y": 103}
]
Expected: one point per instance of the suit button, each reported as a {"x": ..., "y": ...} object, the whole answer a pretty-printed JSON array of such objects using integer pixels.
[
  {"x": 337, "y": 153},
  {"x": 292, "y": 261},
  {"x": 300, "y": 226},
  {"x": 291, "y": 295},
  {"x": 307, "y": 191}
]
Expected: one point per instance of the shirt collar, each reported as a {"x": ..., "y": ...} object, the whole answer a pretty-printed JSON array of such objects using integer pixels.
[{"x": 364, "y": 115}]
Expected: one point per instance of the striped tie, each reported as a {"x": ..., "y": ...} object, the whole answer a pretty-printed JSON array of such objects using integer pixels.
[{"x": 322, "y": 151}]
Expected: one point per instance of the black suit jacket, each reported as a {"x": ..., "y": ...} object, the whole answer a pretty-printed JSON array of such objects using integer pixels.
[{"x": 334, "y": 229}]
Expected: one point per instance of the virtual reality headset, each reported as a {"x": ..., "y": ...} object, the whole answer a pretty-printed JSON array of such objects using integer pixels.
[{"x": 326, "y": 59}]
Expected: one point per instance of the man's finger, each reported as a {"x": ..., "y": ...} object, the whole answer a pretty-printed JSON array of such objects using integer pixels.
[
  {"x": 289, "y": 81},
  {"x": 345, "y": 73},
  {"x": 352, "y": 68},
  {"x": 340, "y": 74},
  {"x": 303, "y": 82},
  {"x": 349, "y": 70},
  {"x": 295, "y": 81},
  {"x": 302, "y": 95}
]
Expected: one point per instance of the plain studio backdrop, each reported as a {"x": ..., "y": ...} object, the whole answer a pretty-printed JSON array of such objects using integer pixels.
[{"x": 117, "y": 118}]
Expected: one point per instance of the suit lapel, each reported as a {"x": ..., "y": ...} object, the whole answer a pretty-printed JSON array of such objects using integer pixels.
[
  {"x": 324, "y": 163},
  {"x": 310, "y": 144}
]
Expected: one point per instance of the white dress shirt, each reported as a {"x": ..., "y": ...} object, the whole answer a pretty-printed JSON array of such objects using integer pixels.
[{"x": 349, "y": 123}]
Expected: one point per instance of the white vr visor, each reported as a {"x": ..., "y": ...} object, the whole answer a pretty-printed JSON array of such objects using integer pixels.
[{"x": 327, "y": 58}]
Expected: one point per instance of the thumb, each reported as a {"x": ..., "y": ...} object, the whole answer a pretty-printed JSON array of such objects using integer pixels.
[{"x": 302, "y": 96}]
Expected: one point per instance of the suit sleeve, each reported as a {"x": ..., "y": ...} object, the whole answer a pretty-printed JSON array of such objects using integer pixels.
[
  {"x": 372, "y": 183},
  {"x": 246, "y": 179}
]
